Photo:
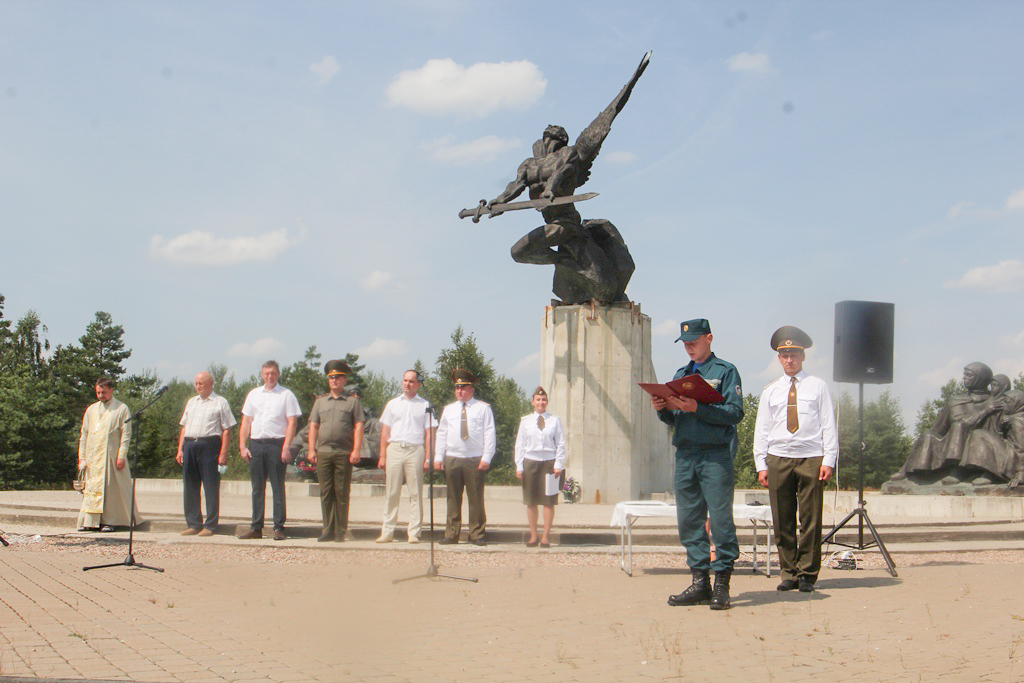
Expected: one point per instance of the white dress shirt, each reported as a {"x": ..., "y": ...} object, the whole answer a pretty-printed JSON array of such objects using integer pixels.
[
  {"x": 208, "y": 416},
  {"x": 270, "y": 411},
  {"x": 407, "y": 418},
  {"x": 816, "y": 434},
  {"x": 534, "y": 444},
  {"x": 481, "y": 441}
]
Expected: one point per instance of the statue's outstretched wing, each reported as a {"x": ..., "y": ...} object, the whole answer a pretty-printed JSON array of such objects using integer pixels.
[{"x": 588, "y": 144}]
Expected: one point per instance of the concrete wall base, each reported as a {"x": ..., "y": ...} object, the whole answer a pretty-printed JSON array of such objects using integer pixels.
[{"x": 592, "y": 358}]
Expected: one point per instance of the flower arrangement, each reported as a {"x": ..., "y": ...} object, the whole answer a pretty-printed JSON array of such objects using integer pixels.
[
  {"x": 305, "y": 468},
  {"x": 571, "y": 490}
]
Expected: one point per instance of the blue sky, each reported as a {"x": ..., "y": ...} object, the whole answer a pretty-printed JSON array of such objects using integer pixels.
[{"x": 239, "y": 180}]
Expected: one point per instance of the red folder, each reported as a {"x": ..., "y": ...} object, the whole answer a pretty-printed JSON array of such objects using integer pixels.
[{"x": 691, "y": 386}]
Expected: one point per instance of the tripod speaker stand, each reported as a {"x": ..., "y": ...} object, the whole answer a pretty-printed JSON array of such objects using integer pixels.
[
  {"x": 860, "y": 512},
  {"x": 432, "y": 572},
  {"x": 129, "y": 560}
]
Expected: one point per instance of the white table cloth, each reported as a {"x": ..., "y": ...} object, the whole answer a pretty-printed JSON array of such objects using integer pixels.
[{"x": 627, "y": 512}]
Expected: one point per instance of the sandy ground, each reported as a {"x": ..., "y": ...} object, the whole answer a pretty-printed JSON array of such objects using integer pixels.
[{"x": 227, "y": 613}]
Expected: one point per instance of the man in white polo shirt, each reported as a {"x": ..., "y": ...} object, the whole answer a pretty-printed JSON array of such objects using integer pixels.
[
  {"x": 270, "y": 415},
  {"x": 405, "y": 429},
  {"x": 202, "y": 446}
]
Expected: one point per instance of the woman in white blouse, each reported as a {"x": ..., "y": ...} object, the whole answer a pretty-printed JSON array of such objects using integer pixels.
[{"x": 540, "y": 453}]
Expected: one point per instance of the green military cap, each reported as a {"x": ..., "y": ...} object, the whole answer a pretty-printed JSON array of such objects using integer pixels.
[
  {"x": 693, "y": 329},
  {"x": 334, "y": 368},
  {"x": 463, "y": 377},
  {"x": 789, "y": 337}
]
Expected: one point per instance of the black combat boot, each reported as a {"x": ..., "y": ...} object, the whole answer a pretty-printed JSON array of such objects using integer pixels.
[
  {"x": 699, "y": 592},
  {"x": 720, "y": 595}
]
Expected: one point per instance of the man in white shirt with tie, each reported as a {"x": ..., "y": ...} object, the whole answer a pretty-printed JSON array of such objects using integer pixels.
[
  {"x": 405, "y": 428},
  {"x": 465, "y": 446},
  {"x": 796, "y": 447}
]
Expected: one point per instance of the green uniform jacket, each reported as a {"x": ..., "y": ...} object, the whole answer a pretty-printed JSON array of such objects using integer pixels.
[{"x": 713, "y": 424}]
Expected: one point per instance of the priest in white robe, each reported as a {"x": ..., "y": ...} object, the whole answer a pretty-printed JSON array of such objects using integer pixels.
[{"x": 103, "y": 454}]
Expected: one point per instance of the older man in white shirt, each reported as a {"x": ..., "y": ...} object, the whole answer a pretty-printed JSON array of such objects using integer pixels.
[
  {"x": 202, "y": 449},
  {"x": 796, "y": 447}
]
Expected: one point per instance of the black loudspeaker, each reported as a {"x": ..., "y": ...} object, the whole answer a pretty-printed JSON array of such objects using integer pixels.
[{"x": 864, "y": 333}]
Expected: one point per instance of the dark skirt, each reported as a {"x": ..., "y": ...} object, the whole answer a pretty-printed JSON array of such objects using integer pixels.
[{"x": 534, "y": 472}]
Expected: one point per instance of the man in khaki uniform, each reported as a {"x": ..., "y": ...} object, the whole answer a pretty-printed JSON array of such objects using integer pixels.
[{"x": 335, "y": 444}]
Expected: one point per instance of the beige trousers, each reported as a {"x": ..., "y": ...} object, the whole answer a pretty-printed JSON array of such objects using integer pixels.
[{"x": 404, "y": 466}]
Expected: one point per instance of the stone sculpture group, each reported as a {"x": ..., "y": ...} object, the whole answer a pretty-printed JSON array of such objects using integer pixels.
[{"x": 977, "y": 439}]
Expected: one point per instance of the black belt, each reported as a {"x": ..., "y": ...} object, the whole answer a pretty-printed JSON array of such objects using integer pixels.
[
  {"x": 264, "y": 441},
  {"x": 204, "y": 439}
]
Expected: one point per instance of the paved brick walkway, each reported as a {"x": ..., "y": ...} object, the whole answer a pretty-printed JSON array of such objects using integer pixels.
[{"x": 305, "y": 614}]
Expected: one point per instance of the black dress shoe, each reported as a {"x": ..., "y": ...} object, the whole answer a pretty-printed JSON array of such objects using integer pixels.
[
  {"x": 251, "y": 534},
  {"x": 479, "y": 541},
  {"x": 278, "y": 534},
  {"x": 448, "y": 541},
  {"x": 786, "y": 585},
  {"x": 806, "y": 585}
]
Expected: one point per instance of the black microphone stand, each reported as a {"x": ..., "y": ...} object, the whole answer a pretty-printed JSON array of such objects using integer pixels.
[
  {"x": 129, "y": 559},
  {"x": 432, "y": 572}
]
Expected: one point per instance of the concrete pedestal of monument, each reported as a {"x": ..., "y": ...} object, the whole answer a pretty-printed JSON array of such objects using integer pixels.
[{"x": 591, "y": 361}]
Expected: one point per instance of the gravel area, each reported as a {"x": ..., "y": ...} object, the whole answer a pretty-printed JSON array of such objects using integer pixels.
[{"x": 57, "y": 540}]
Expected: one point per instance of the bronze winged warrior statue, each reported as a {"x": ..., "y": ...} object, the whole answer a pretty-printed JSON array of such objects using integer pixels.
[{"x": 592, "y": 263}]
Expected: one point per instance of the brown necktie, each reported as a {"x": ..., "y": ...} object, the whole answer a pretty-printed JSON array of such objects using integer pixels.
[
  {"x": 792, "y": 421},
  {"x": 540, "y": 422},
  {"x": 465, "y": 423}
]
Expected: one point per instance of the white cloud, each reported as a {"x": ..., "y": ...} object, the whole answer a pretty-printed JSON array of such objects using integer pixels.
[
  {"x": 750, "y": 63},
  {"x": 487, "y": 148},
  {"x": 376, "y": 281},
  {"x": 443, "y": 87},
  {"x": 669, "y": 327},
  {"x": 1014, "y": 341},
  {"x": 261, "y": 348},
  {"x": 1015, "y": 200},
  {"x": 968, "y": 209},
  {"x": 1005, "y": 276},
  {"x": 383, "y": 348},
  {"x": 199, "y": 248},
  {"x": 953, "y": 369},
  {"x": 326, "y": 69},
  {"x": 621, "y": 157},
  {"x": 528, "y": 363},
  {"x": 960, "y": 209}
]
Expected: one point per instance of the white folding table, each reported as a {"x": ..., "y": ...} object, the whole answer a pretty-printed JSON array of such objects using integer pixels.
[{"x": 627, "y": 512}]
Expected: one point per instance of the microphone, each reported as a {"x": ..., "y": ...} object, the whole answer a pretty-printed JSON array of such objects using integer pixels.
[{"x": 162, "y": 391}]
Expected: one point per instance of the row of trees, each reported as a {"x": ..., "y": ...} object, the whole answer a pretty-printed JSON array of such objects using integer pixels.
[
  {"x": 44, "y": 391},
  {"x": 886, "y": 443}
]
